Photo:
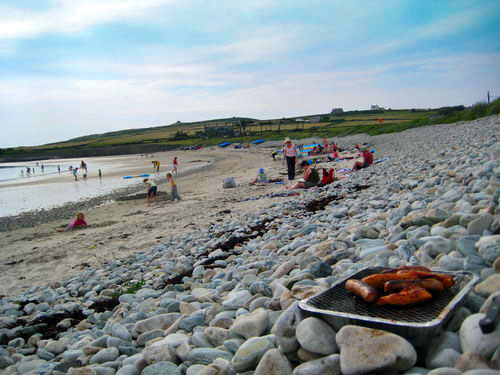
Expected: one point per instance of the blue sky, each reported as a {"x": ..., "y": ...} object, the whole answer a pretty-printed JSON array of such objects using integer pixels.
[{"x": 70, "y": 68}]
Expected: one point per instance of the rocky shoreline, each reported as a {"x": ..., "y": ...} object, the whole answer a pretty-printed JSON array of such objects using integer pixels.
[{"x": 224, "y": 301}]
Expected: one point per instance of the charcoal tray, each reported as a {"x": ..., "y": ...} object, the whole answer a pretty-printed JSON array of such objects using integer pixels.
[{"x": 417, "y": 323}]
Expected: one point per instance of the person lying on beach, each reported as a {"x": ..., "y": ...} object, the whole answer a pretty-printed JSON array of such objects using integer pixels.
[
  {"x": 261, "y": 176},
  {"x": 79, "y": 222},
  {"x": 173, "y": 187},
  {"x": 327, "y": 178},
  {"x": 152, "y": 188},
  {"x": 367, "y": 160},
  {"x": 310, "y": 179}
]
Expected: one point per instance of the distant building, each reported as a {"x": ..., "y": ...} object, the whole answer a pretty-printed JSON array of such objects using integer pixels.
[
  {"x": 313, "y": 119},
  {"x": 376, "y": 108},
  {"x": 300, "y": 119},
  {"x": 337, "y": 110}
]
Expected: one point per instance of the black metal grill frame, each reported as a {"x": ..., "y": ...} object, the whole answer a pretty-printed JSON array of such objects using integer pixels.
[{"x": 339, "y": 301}]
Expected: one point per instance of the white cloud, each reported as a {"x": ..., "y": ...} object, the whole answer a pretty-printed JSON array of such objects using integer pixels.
[
  {"x": 74, "y": 107},
  {"x": 69, "y": 16}
]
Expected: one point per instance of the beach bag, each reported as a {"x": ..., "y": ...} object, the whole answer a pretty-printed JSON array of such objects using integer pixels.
[{"x": 229, "y": 182}]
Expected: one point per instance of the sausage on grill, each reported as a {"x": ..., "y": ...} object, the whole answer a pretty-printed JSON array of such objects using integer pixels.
[
  {"x": 446, "y": 280},
  {"x": 432, "y": 285},
  {"x": 410, "y": 296},
  {"x": 362, "y": 290},
  {"x": 378, "y": 280}
]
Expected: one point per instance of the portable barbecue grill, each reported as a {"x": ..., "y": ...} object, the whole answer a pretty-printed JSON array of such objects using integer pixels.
[{"x": 417, "y": 323}]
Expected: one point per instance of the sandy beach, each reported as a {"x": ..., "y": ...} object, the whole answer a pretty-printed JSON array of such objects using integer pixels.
[{"x": 37, "y": 255}]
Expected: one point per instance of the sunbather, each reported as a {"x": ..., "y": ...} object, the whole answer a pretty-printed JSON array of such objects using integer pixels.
[
  {"x": 310, "y": 179},
  {"x": 367, "y": 160}
]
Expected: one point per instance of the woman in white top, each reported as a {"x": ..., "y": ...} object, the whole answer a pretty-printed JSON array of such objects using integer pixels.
[{"x": 290, "y": 155}]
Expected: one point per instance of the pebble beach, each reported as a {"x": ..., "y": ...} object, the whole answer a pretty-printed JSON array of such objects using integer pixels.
[{"x": 221, "y": 297}]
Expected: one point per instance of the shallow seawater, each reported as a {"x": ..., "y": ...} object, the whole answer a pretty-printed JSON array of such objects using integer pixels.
[
  {"x": 13, "y": 172},
  {"x": 44, "y": 190},
  {"x": 20, "y": 199}
]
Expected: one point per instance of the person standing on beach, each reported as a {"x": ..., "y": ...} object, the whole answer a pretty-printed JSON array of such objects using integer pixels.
[
  {"x": 43, "y": 168},
  {"x": 100, "y": 174},
  {"x": 174, "y": 162},
  {"x": 173, "y": 187},
  {"x": 75, "y": 173},
  {"x": 325, "y": 144},
  {"x": 59, "y": 168},
  {"x": 290, "y": 154}
]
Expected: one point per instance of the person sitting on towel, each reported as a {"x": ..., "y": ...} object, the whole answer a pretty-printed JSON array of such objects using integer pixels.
[{"x": 310, "y": 179}]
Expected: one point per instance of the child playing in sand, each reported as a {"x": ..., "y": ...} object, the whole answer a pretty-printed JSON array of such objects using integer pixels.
[
  {"x": 79, "y": 222},
  {"x": 152, "y": 188},
  {"x": 173, "y": 186}
]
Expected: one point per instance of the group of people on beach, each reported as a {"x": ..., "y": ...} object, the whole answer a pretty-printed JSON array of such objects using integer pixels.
[
  {"x": 83, "y": 167},
  {"x": 74, "y": 171},
  {"x": 152, "y": 188},
  {"x": 311, "y": 176},
  {"x": 31, "y": 170}
]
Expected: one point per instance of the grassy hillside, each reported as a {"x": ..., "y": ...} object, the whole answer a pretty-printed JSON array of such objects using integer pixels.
[{"x": 186, "y": 134}]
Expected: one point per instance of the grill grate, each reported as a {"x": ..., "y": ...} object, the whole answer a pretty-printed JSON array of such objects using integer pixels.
[{"x": 338, "y": 300}]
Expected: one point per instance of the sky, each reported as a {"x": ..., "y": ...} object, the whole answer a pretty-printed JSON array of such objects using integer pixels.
[{"x": 72, "y": 68}]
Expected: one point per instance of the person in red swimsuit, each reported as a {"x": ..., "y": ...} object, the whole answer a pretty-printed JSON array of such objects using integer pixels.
[
  {"x": 367, "y": 160},
  {"x": 175, "y": 164}
]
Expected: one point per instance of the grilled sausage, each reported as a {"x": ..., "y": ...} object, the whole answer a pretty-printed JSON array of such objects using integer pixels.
[
  {"x": 362, "y": 290},
  {"x": 378, "y": 280},
  {"x": 432, "y": 285},
  {"x": 406, "y": 269},
  {"x": 446, "y": 280},
  {"x": 410, "y": 296}
]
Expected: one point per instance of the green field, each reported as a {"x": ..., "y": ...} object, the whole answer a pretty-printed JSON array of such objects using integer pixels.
[{"x": 347, "y": 123}]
